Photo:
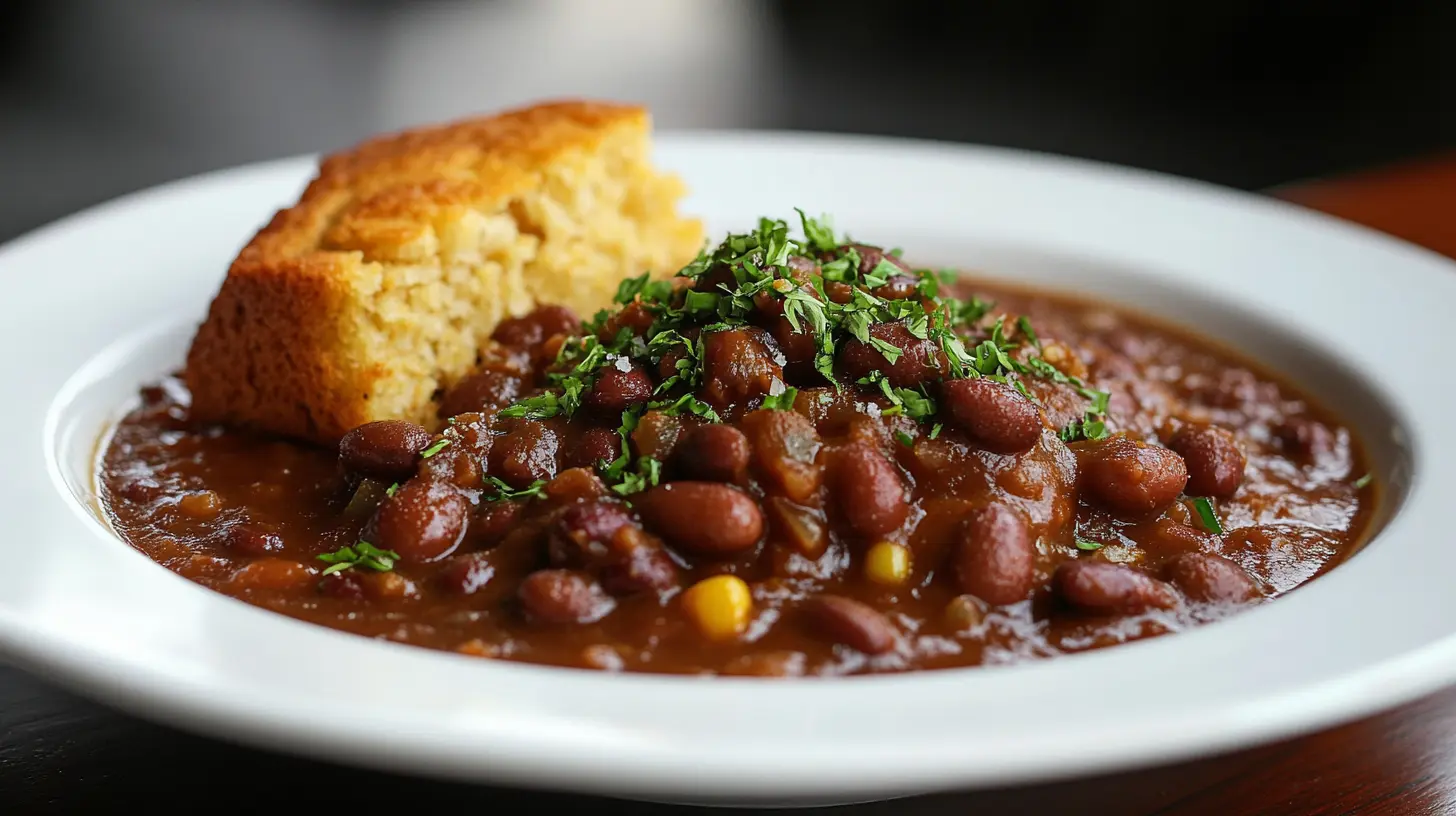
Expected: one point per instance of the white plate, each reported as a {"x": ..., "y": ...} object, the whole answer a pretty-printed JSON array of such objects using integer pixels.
[{"x": 97, "y": 304}]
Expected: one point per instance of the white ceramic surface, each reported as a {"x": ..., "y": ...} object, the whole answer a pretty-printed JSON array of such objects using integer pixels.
[{"x": 97, "y": 304}]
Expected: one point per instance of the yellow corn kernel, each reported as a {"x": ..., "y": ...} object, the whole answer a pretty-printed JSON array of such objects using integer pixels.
[
  {"x": 720, "y": 606},
  {"x": 888, "y": 563}
]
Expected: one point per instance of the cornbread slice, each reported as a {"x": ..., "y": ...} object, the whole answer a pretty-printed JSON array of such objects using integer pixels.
[{"x": 377, "y": 290}]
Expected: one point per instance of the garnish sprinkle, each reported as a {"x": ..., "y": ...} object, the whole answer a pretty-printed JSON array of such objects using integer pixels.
[
  {"x": 362, "y": 554},
  {"x": 1364, "y": 481},
  {"x": 1204, "y": 508},
  {"x": 1087, "y": 545},
  {"x": 435, "y": 447},
  {"x": 504, "y": 492}
]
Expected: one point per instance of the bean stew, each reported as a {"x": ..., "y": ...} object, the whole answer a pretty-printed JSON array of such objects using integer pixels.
[{"x": 796, "y": 457}]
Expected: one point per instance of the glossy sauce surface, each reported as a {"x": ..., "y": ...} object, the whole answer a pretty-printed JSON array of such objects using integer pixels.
[{"x": 249, "y": 517}]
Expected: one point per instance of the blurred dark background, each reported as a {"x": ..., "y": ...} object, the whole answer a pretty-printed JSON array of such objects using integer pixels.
[
  {"x": 100, "y": 97},
  {"x": 104, "y": 96}
]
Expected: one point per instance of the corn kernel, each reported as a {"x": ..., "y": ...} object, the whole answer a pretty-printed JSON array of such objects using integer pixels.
[
  {"x": 888, "y": 563},
  {"x": 720, "y": 606}
]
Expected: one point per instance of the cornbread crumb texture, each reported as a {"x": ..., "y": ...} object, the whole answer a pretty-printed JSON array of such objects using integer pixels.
[{"x": 377, "y": 290}]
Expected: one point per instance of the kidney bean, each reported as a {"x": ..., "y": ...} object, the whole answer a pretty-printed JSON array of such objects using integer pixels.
[
  {"x": 533, "y": 328},
  {"x": 799, "y": 346},
  {"x": 525, "y": 454},
  {"x": 583, "y": 532},
  {"x": 645, "y": 568},
  {"x": 251, "y": 540},
  {"x": 423, "y": 521},
  {"x": 919, "y": 360},
  {"x": 616, "y": 389},
  {"x": 1131, "y": 478},
  {"x": 563, "y": 596},
  {"x": 1307, "y": 441},
  {"x": 714, "y": 453},
  {"x": 704, "y": 518},
  {"x": 994, "y": 415},
  {"x": 487, "y": 390},
  {"x": 492, "y": 521},
  {"x": 272, "y": 574},
  {"x": 785, "y": 448},
  {"x": 387, "y": 450},
  {"x": 851, "y": 623},
  {"x": 593, "y": 446},
  {"x": 1110, "y": 589},
  {"x": 1215, "y": 463},
  {"x": 900, "y": 287},
  {"x": 870, "y": 492},
  {"x": 739, "y": 365},
  {"x": 467, "y": 574},
  {"x": 995, "y": 557},
  {"x": 1209, "y": 578}
]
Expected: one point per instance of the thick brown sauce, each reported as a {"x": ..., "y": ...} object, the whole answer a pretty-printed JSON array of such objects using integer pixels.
[{"x": 175, "y": 492}]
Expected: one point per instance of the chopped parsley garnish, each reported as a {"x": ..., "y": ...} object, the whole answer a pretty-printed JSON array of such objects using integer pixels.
[
  {"x": 435, "y": 447},
  {"x": 783, "y": 401},
  {"x": 905, "y": 439},
  {"x": 362, "y": 554},
  {"x": 504, "y": 492},
  {"x": 1364, "y": 481},
  {"x": 1087, "y": 545},
  {"x": 392, "y": 489},
  {"x": 660, "y": 325},
  {"x": 1204, "y": 508}
]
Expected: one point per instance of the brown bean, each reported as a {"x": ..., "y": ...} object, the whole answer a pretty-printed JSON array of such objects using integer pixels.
[
  {"x": 594, "y": 446},
  {"x": 1209, "y": 578},
  {"x": 492, "y": 521},
  {"x": 705, "y": 518},
  {"x": 525, "y": 454},
  {"x": 468, "y": 574},
  {"x": 1307, "y": 441},
  {"x": 251, "y": 540},
  {"x": 994, "y": 415},
  {"x": 533, "y": 328},
  {"x": 618, "y": 387},
  {"x": 423, "y": 521},
  {"x": 1131, "y": 478},
  {"x": 919, "y": 360},
  {"x": 785, "y": 448},
  {"x": 851, "y": 623},
  {"x": 1215, "y": 463},
  {"x": 800, "y": 527},
  {"x": 1110, "y": 589},
  {"x": 645, "y": 568},
  {"x": 713, "y": 453},
  {"x": 583, "y": 532},
  {"x": 739, "y": 366},
  {"x": 346, "y": 585},
  {"x": 486, "y": 390},
  {"x": 563, "y": 596},
  {"x": 387, "y": 450},
  {"x": 869, "y": 490},
  {"x": 995, "y": 557}
]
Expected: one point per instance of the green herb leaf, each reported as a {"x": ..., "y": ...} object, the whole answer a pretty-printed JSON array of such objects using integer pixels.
[
  {"x": 1204, "y": 508},
  {"x": 504, "y": 492},
  {"x": 362, "y": 554},
  {"x": 783, "y": 401},
  {"x": 1025, "y": 325},
  {"x": 1364, "y": 481},
  {"x": 390, "y": 491},
  {"x": 435, "y": 447},
  {"x": 818, "y": 232},
  {"x": 1087, "y": 545},
  {"x": 905, "y": 439},
  {"x": 935, "y": 430}
]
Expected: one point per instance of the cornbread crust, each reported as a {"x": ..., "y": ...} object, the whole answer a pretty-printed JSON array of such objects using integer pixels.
[{"x": 378, "y": 289}]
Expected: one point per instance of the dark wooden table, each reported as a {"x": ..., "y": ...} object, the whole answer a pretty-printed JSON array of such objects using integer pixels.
[{"x": 59, "y": 753}]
